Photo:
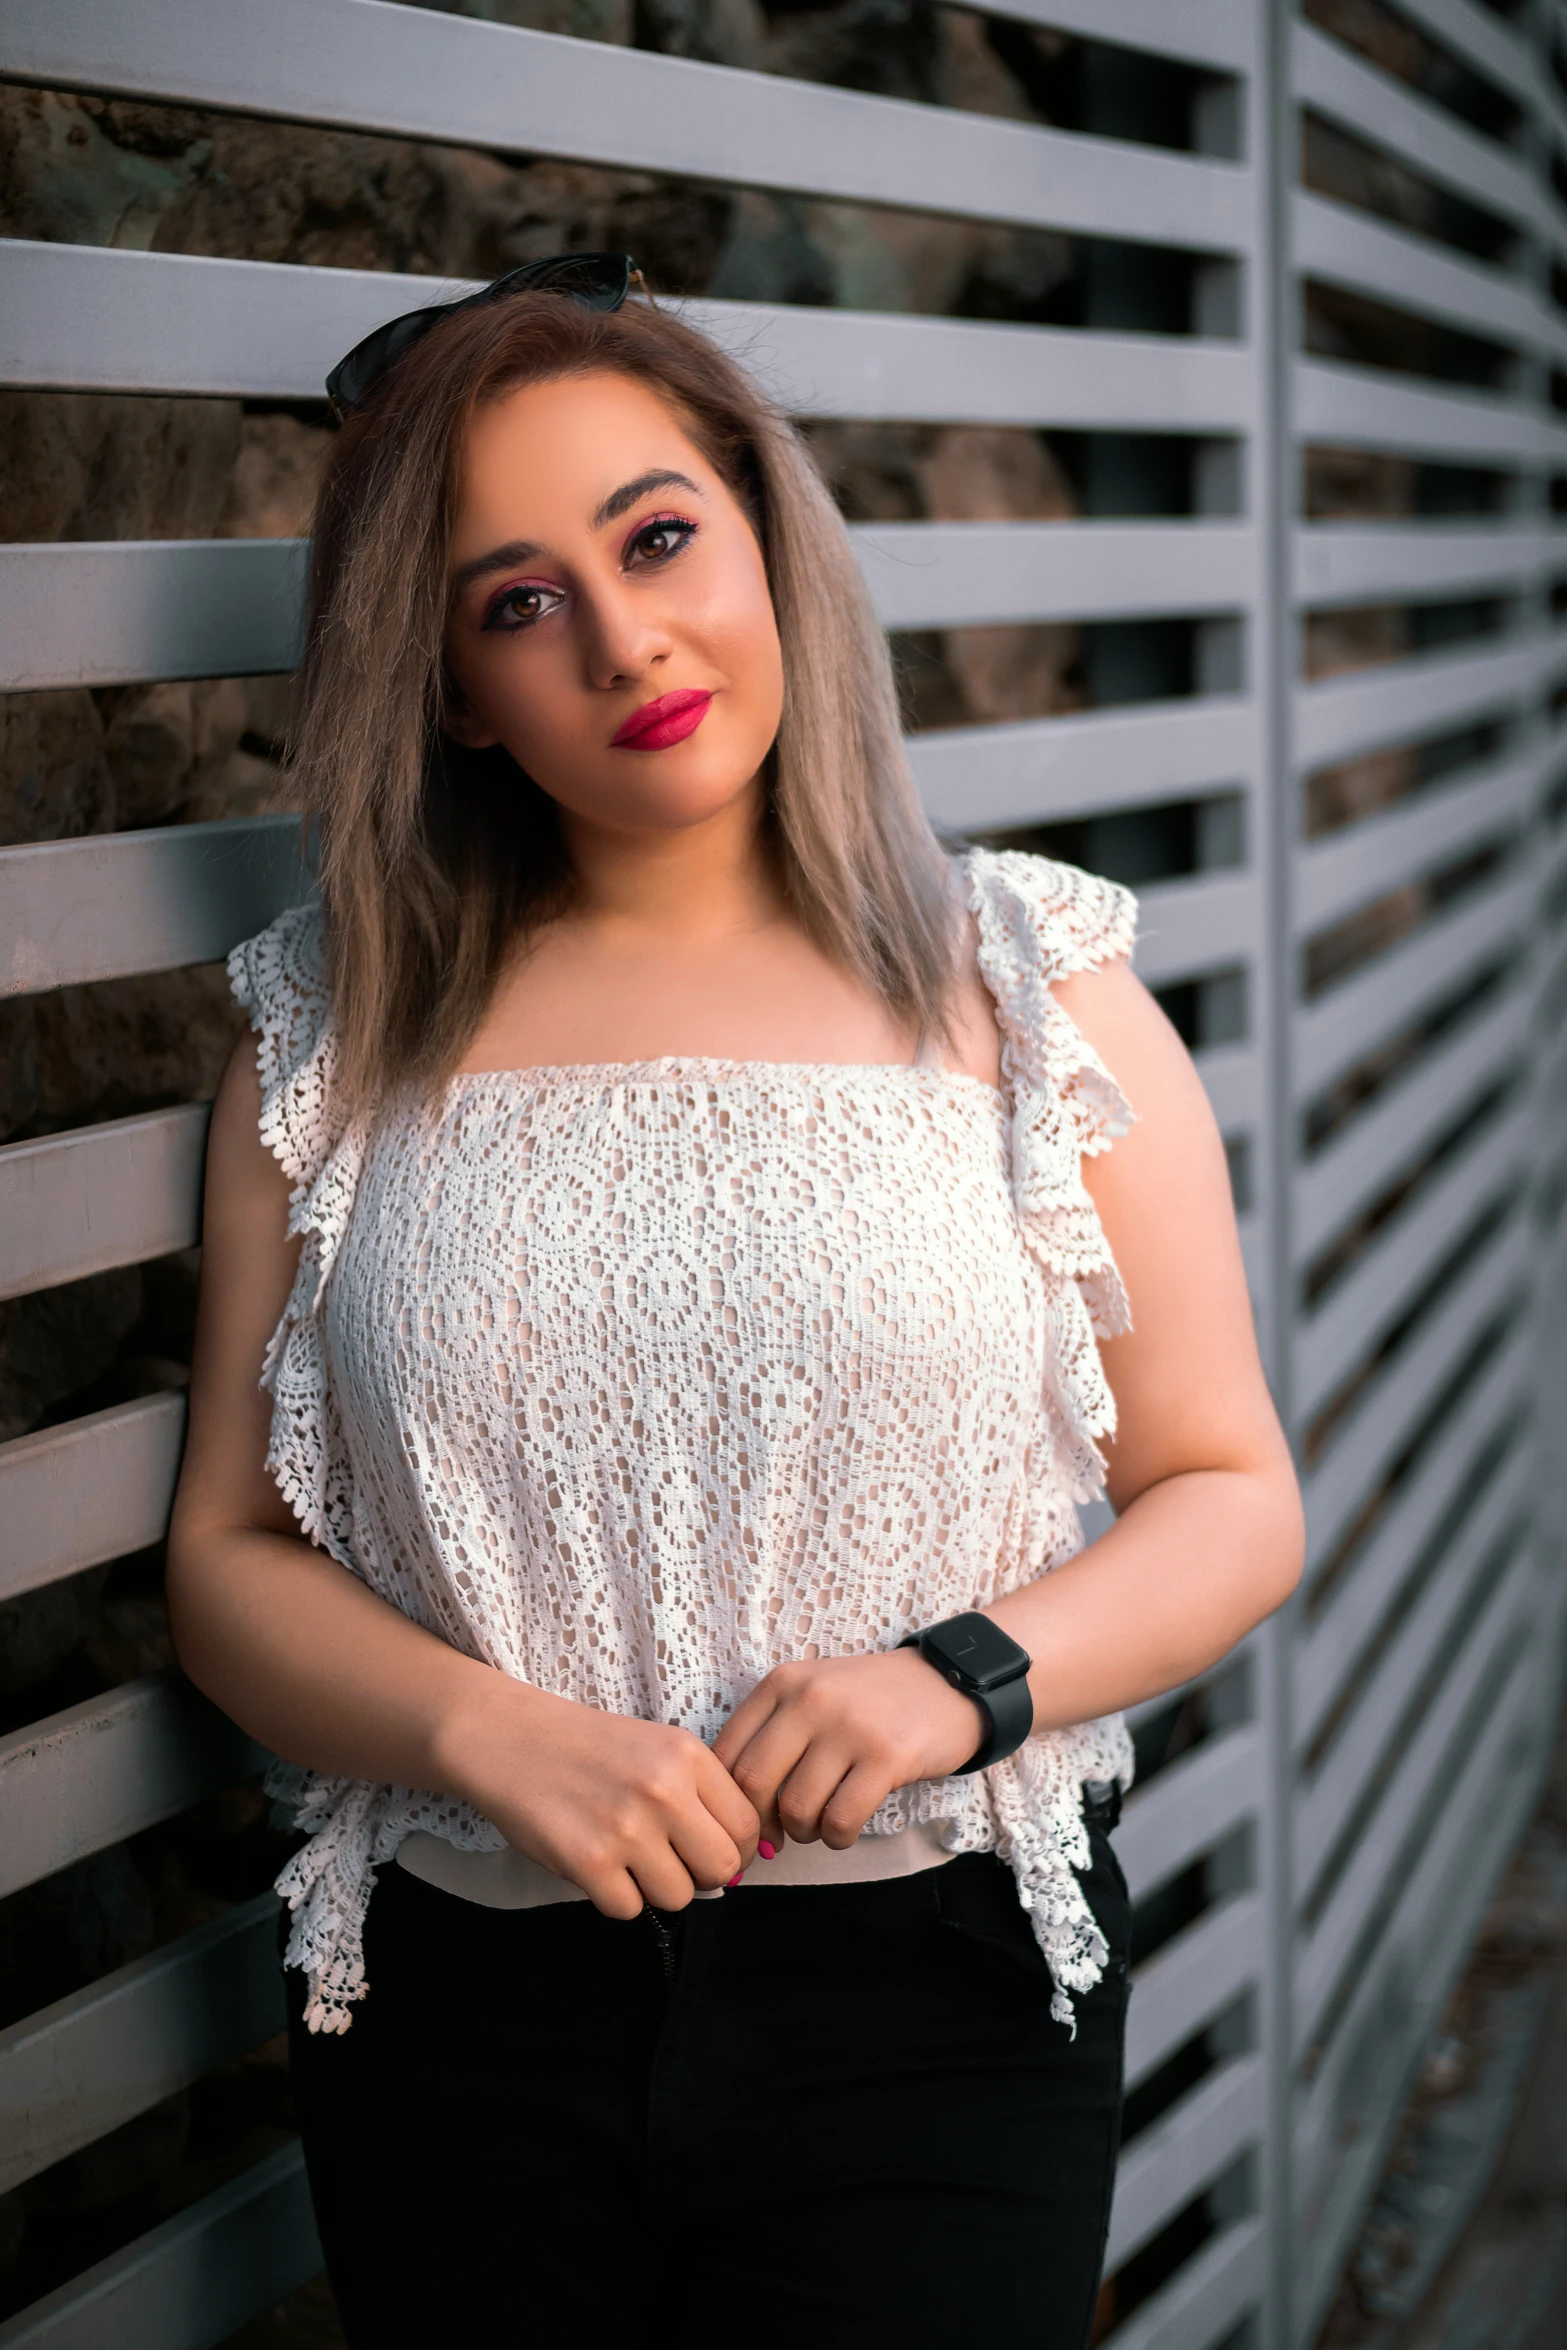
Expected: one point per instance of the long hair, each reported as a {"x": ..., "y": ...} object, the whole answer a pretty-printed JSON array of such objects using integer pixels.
[{"x": 436, "y": 861}]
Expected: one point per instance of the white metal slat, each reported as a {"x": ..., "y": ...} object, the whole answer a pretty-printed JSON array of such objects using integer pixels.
[
  {"x": 892, "y": 369},
  {"x": 1365, "y": 407},
  {"x": 103, "y": 1770},
  {"x": 1338, "y": 2172},
  {"x": 115, "y": 1194},
  {"x": 74, "y": 911},
  {"x": 1354, "y": 1019},
  {"x": 1419, "y": 1952},
  {"x": 1460, "y": 1337},
  {"x": 1552, "y": 108},
  {"x": 1552, "y": 852},
  {"x": 370, "y": 66},
  {"x": 1334, "y": 875},
  {"x": 1324, "y": 1952},
  {"x": 1552, "y": 984},
  {"x": 95, "y": 318},
  {"x": 1387, "y": 1419},
  {"x": 1342, "y": 246},
  {"x": 1329, "y": 1649},
  {"x": 1192, "y": 1979},
  {"x": 1366, "y": 709},
  {"x": 1482, "y": 39},
  {"x": 1336, "y": 82},
  {"x": 115, "y": 612},
  {"x": 1372, "y": 1152},
  {"x": 1372, "y": 1297},
  {"x": 1190, "y": 1808},
  {"x": 1551, "y": 832},
  {"x": 1184, "y": 2152},
  {"x": 1208, "y": 2293},
  {"x": 1550, "y": 1075},
  {"x": 1335, "y": 1792},
  {"x": 1203, "y": 923},
  {"x": 97, "y": 1488},
  {"x": 76, "y": 2070},
  {"x": 944, "y": 574},
  {"x": 1208, "y": 32},
  {"x": 192, "y": 2281},
  {"x": 1337, "y": 563},
  {"x": 992, "y": 777}
]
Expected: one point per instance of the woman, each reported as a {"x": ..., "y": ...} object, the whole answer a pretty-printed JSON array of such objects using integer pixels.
[{"x": 665, "y": 1207}]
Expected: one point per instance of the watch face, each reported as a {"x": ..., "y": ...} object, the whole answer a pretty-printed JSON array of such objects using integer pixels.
[{"x": 977, "y": 1649}]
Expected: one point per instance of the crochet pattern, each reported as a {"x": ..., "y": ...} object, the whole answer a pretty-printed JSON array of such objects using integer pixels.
[{"x": 636, "y": 1379}]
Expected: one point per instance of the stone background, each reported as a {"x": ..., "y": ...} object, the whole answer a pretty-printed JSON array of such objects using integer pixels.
[{"x": 94, "y": 171}]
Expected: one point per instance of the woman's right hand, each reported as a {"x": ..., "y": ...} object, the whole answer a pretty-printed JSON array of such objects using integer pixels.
[{"x": 630, "y": 1811}]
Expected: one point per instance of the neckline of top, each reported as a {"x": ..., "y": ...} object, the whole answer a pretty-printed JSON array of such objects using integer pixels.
[{"x": 711, "y": 1066}]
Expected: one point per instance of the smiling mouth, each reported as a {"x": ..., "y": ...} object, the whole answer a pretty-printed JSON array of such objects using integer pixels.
[{"x": 659, "y": 724}]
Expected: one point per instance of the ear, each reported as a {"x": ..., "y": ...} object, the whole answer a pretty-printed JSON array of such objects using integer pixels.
[{"x": 460, "y": 720}]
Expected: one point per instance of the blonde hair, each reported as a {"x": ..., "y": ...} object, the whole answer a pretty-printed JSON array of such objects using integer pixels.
[{"x": 434, "y": 859}]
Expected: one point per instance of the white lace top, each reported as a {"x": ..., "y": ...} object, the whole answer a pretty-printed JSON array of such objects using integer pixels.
[{"x": 635, "y": 1379}]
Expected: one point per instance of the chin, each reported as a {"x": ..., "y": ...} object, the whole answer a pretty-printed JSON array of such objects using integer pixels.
[
  {"x": 674, "y": 810},
  {"x": 669, "y": 800}
]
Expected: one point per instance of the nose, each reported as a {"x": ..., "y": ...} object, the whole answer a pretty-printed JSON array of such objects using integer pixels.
[{"x": 625, "y": 639}]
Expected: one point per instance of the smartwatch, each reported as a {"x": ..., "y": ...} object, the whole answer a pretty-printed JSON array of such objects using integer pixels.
[{"x": 977, "y": 1657}]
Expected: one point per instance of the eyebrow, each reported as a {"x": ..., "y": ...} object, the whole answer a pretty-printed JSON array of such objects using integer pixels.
[
  {"x": 622, "y": 500},
  {"x": 609, "y": 509},
  {"x": 498, "y": 559}
]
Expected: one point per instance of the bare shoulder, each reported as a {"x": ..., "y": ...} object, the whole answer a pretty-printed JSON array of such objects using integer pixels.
[
  {"x": 241, "y": 1171},
  {"x": 1163, "y": 1194},
  {"x": 1122, "y": 1020},
  {"x": 247, "y": 1268},
  {"x": 248, "y": 1257},
  {"x": 1111, "y": 1008}
]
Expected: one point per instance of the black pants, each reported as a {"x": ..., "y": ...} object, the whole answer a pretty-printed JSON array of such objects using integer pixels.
[{"x": 813, "y": 2117}]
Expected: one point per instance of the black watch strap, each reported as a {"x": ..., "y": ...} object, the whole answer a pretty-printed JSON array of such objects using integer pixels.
[
  {"x": 1011, "y": 1711},
  {"x": 1002, "y": 1696}
]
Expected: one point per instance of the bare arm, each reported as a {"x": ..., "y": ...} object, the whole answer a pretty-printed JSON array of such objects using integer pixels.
[
  {"x": 1209, "y": 1535},
  {"x": 310, "y": 1661}
]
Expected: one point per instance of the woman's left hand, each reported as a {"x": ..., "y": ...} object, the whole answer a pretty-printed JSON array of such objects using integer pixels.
[{"x": 816, "y": 1747}]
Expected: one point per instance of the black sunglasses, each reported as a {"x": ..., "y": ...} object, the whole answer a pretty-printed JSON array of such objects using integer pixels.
[{"x": 601, "y": 280}]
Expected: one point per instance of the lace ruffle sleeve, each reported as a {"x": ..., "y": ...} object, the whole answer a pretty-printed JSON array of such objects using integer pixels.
[
  {"x": 280, "y": 977},
  {"x": 1038, "y": 922}
]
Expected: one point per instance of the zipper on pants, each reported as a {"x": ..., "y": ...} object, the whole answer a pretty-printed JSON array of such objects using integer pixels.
[{"x": 666, "y": 1945}]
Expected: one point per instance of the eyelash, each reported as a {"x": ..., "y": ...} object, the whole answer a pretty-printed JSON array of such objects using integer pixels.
[
  {"x": 676, "y": 525},
  {"x": 495, "y": 612}
]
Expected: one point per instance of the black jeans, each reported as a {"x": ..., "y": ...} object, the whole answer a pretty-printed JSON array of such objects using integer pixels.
[{"x": 818, "y": 2116}]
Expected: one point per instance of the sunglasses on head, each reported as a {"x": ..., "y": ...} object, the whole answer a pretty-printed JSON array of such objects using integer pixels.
[{"x": 600, "y": 280}]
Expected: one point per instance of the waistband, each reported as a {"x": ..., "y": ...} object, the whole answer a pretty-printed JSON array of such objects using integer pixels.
[{"x": 509, "y": 1879}]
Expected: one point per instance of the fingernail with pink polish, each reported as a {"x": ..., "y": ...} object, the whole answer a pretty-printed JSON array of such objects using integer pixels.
[
  {"x": 767, "y": 1851},
  {"x": 735, "y": 1880}
]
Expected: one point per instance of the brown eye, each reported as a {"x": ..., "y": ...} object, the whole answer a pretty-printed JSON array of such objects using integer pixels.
[
  {"x": 657, "y": 541},
  {"x": 519, "y": 607}
]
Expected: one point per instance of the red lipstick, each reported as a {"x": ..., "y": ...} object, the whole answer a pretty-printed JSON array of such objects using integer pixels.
[{"x": 659, "y": 724}]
